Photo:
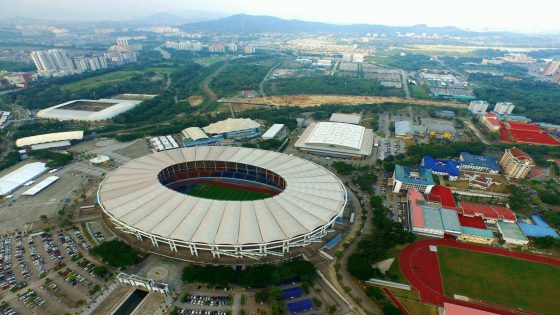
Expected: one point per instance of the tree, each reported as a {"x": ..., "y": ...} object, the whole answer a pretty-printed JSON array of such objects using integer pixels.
[
  {"x": 116, "y": 253},
  {"x": 359, "y": 267},
  {"x": 100, "y": 271}
]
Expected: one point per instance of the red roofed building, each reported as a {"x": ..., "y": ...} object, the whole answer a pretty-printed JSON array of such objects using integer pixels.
[
  {"x": 486, "y": 212},
  {"x": 454, "y": 309},
  {"x": 473, "y": 222},
  {"x": 490, "y": 121},
  {"x": 442, "y": 195},
  {"x": 525, "y": 133}
]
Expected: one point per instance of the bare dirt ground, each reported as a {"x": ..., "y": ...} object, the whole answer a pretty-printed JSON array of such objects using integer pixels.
[
  {"x": 314, "y": 100},
  {"x": 195, "y": 100}
]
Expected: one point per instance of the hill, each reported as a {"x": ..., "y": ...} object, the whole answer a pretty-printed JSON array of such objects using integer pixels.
[{"x": 241, "y": 23}]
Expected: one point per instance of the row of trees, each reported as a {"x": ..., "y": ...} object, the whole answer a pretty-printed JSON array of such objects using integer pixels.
[
  {"x": 252, "y": 276},
  {"x": 374, "y": 247},
  {"x": 55, "y": 159}
]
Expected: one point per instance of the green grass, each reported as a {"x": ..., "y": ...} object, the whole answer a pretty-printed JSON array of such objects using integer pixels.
[
  {"x": 502, "y": 280},
  {"x": 225, "y": 193},
  {"x": 112, "y": 77}
]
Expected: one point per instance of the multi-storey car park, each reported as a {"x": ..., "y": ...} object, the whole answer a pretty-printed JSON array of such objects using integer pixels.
[{"x": 149, "y": 198}]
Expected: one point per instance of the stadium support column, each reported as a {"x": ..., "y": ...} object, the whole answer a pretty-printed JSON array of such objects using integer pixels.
[
  {"x": 285, "y": 247},
  {"x": 193, "y": 249},
  {"x": 172, "y": 246},
  {"x": 154, "y": 241},
  {"x": 139, "y": 236}
]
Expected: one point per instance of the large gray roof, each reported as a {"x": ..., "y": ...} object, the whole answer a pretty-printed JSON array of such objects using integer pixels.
[{"x": 134, "y": 196}]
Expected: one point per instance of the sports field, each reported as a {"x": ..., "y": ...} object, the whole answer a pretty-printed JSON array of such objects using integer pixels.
[
  {"x": 502, "y": 280},
  {"x": 225, "y": 193}
]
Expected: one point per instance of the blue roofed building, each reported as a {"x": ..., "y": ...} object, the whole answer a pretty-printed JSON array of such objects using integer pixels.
[
  {"x": 449, "y": 168},
  {"x": 405, "y": 177},
  {"x": 539, "y": 228},
  {"x": 479, "y": 163}
]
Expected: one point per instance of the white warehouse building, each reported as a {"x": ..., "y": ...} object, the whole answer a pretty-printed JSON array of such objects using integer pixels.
[{"x": 338, "y": 140}]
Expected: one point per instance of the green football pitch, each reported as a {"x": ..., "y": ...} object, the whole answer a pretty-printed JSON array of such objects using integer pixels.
[
  {"x": 225, "y": 193},
  {"x": 502, "y": 280}
]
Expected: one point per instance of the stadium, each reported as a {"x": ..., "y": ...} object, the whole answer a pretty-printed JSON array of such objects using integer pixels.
[{"x": 228, "y": 202}]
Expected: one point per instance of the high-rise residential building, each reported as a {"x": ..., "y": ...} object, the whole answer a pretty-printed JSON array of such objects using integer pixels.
[
  {"x": 503, "y": 108},
  {"x": 53, "y": 61},
  {"x": 122, "y": 41},
  {"x": 43, "y": 61},
  {"x": 232, "y": 47},
  {"x": 216, "y": 48},
  {"x": 249, "y": 50},
  {"x": 516, "y": 163},
  {"x": 551, "y": 68},
  {"x": 478, "y": 107}
]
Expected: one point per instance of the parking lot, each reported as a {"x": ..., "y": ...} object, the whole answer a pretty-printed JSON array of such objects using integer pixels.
[
  {"x": 387, "y": 147},
  {"x": 44, "y": 273}
]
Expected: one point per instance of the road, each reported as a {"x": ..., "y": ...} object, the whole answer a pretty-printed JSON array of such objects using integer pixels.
[
  {"x": 266, "y": 77},
  {"x": 210, "y": 94},
  {"x": 405, "y": 84},
  {"x": 367, "y": 306},
  {"x": 164, "y": 54},
  {"x": 477, "y": 132}
]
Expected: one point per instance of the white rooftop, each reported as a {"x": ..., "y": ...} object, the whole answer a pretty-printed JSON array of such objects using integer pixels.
[
  {"x": 338, "y": 134},
  {"x": 194, "y": 133},
  {"x": 22, "y": 175},
  {"x": 346, "y": 118},
  {"x": 272, "y": 131},
  {"x": 58, "y": 112},
  {"x": 42, "y": 185},
  {"x": 230, "y": 125},
  {"x": 50, "y": 137}
]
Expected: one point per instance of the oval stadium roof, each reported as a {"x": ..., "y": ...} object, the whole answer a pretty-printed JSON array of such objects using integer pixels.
[{"x": 134, "y": 197}]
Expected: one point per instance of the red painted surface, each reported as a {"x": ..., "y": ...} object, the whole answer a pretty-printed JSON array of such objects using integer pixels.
[
  {"x": 396, "y": 301},
  {"x": 474, "y": 222},
  {"x": 420, "y": 266}
]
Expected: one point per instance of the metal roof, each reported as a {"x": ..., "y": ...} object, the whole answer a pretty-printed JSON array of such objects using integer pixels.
[
  {"x": 338, "y": 134},
  {"x": 15, "y": 179},
  {"x": 230, "y": 125},
  {"x": 134, "y": 196},
  {"x": 346, "y": 118},
  {"x": 403, "y": 128},
  {"x": 42, "y": 185},
  {"x": 272, "y": 131},
  {"x": 50, "y": 137},
  {"x": 194, "y": 133}
]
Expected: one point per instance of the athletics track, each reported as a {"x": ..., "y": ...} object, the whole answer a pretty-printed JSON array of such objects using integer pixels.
[{"x": 420, "y": 266}]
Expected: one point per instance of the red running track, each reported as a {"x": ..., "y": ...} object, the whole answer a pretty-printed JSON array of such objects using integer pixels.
[
  {"x": 420, "y": 266},
  {"x": 396, "y": 301}
]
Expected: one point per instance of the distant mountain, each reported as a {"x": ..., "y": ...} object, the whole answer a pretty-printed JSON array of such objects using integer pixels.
[
  {"x": 243, "y": 23},
  {"x": 177, "y": 18}
]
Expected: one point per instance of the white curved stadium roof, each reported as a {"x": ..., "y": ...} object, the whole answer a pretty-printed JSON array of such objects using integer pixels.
[
  {"x": 134, "y": 197},
  {"x": 50, "y": 137}
]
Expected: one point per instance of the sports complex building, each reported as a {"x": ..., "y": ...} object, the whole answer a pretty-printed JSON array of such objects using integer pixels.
[
  {"x": 334, "y": 139},
  {"x": 152, "y": 198},
  {"x": 88, "y": 110}
]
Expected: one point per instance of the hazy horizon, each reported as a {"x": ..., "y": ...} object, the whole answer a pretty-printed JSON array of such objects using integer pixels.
[{"x": 477, "y": 15}]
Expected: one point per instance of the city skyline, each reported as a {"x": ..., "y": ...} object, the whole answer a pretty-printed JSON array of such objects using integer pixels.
[{"x": 478, "y": 15}]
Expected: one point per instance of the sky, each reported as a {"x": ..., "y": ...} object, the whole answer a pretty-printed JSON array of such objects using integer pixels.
[{"x": 516, "y": 15}]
